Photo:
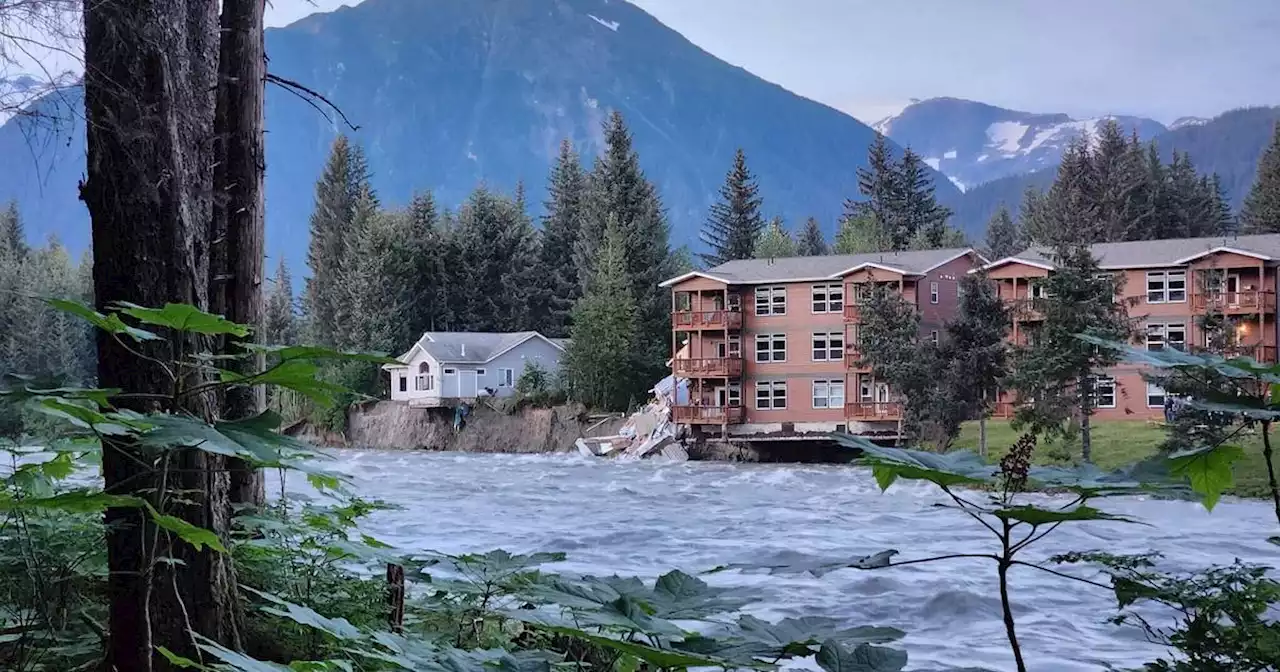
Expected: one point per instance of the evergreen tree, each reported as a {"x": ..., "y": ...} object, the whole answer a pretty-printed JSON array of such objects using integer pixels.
[
  {"x": 920, "y": 216},
  {"x": 497, "y": 255},
  {"x": 1054, "y": 377},
  {"x": 859, "y": 234},
  {"x": 975, "y": 352},
  {"x": 430, "y": 277},
  {"x": 880, "y": 185},
  {"x": 1069, "y": 212},
  {"x": 1261, "y": 212},
  {"x": 600, "y": 364},
  {"x": 350, "y": 326},
  {"x": 937, "y": 239},
  {"x": 735, "y": 223},
  {"x": 561, "y": 227},
  {"x": 681, "y": 261},
  {"x": 775, "y": 242},
  {"x": 1119, "y": 180},
  {"x": 280, "y": 315},
  {"x": 1004, "y": 236},
  {"x": 12, "y": 237},
  {"x": 381, "y": 306},
  {"x": 812, "y": 243}
]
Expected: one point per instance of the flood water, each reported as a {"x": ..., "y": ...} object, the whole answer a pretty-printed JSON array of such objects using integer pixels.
[{"x": 645, "y": 518}]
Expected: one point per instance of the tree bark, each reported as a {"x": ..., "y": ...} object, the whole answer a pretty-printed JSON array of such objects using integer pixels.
[
  {"x": 238, "y": 228},
  {"x": 149, "y": 100},
  {"x": 1086, "y": 437}
]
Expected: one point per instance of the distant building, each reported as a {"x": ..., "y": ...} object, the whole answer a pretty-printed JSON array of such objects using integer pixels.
[{"x": 445, "y": 367}]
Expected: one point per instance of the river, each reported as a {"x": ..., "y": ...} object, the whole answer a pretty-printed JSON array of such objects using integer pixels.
[{"x": 644, "y": 518}]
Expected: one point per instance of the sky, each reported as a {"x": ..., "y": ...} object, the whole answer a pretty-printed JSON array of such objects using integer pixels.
[{"x": 1158, "y": 58}]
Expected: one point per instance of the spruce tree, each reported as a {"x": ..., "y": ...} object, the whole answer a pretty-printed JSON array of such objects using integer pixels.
[
  {"x": 1069, "y": 212},
  {"x": 919, "y": 215},
  {"x": 497, "y": 255},
  {"x": 430, "y": 275},
  {"x": 381, "y": 303},
  {"x": 880, "y": 186},
  {"x": 860, "y": 234},
  {"x": 1004, "y": 236},
  {"x": 600, "y": 364},
  {"x": 561, "y": 227},
  {"x": 12, "y": 236},
  {"x": 775, "y": 242},
  {"x": 280, "y": 315},
  {"x": 1261, "y": 212},
  {"x": 1119, "y": 178},
  {"x": 975, "y": 352},
  {"x": 811, "y": 243},
  {"x": 735, "y": 223}
]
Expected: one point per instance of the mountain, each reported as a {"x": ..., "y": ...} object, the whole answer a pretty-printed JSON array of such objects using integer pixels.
[
  {"x": 973, "y": 142},
  {"x": 448, "y": 94}
]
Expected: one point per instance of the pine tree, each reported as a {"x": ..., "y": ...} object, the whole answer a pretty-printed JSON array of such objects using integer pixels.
[
  {"x": 280, "y": 315},
  {"x": 1069, "y": 211},
  {"x": 735, "y": 223},
  {"x": 1261, "y": 212},
  {"x": 430, "y": 277},
  {"x": 12, "y": 237},
  {"x": 880, "y": 186},
  {"x": 975, "y": 353},
  {"x": 600, "y": 364},
  {"x": 775, "y": 242},
  {"x": 860, "y": 234},
  {"x": 1004, "y": 236},
  {"x": 381, "y": 306},
  {"x": 919, "y": 214},
  {"x": 812, "y": 243},
  {"x": 1119, "y": 181},
  {"x": 497, "y": 255},
  {"x": 561, "y": 227}
]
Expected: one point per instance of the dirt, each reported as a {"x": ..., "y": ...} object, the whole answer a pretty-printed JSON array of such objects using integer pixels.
[{"x": 394, "y": 425}]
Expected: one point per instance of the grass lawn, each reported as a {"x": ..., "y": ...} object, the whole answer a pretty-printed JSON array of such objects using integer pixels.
[{"x": 1118, "y": 443}]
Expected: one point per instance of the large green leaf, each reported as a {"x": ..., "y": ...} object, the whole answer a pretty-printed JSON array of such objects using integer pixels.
[
  {"x": 948, "y": 469},
  {"x": 1170, "y": 358},
  {"x": 1208, "y": 470},
  {"x": 1239, "y": 407},
  {"x": 795, "y": 636},
  {"x": 195, "y": 535},
  {"x": 339, "y": 628},
  {"x": 316, "y": 352},
  {"x": 111, "y": 324},
  {"x": 680, "y": 596},
  {"x": 657, "y": 657},
  {"x": 83, "y": 414},
  {"x": 798, "y": 563},
  {"x": 1035, "y": 515},
  {"x": 300, "y": 375},
  {"x": 184, "y": 318},
  {"x": 75, "y": 501},
  {"x": 834, "y": 657}
]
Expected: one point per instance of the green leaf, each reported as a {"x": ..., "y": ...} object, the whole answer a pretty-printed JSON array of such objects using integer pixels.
[
  {"x": 61, "y": 466},
  {"x": 76, "y": 501},
  {"x": 198, "y": 537},
  {"x": 794, "y": 636},
  {"x": 111, "y": 324},
  {"x": 299, "y": 375},
  {"x": 833, "y": 657},
  {"x": 680, "y": 596},
  {"x": 1208, "y": 470},
  {"x": 955, "y": 468},
  {"x": 184, "y": 318},
  {"x": 83, "y": 416},
  {"x": 1035, "y": 515},
  {"x": 655, "y": 657},
  {"x": 339, "y": 628},
  {"x": 180, "y": 661},
  {"x": 315, "y": 352}
]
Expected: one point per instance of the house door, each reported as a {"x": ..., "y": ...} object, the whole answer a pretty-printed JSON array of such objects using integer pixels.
[
  {"x": 1233, "y": 290},
  {"x": 882, "y": 393},
  {"x": 722, "y": 396},
  {"x": 449, "y": 384},
  {"x": 469, "y": 381}
]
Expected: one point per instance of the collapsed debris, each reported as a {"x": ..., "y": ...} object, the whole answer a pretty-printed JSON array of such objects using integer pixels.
[{"x": 649, "y": 432}]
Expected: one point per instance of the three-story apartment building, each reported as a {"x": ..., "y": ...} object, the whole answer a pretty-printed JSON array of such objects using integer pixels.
[
  {"x": 769, "y": 346},
  {"x": 1188, "y": 293}
]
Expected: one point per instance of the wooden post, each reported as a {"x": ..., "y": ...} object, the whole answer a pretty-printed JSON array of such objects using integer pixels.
[{"x": 395, "y": 597}]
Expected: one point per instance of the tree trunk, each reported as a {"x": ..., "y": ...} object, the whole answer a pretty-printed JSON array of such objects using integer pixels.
[
  {"x": 1086, "y": 436},
  {"x": 149, "y": 83},
  {"x": 982, "y": 427},
  {"x": 237, "y": 242},
  {"x": 1271, "y": 467}
]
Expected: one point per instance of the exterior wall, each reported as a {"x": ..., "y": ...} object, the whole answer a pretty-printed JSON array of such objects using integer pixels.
[
  {"x": 533, "y": 350},
  {"x": 487, "y": 375},
  {"x": 948, "y": 276},
  {"x": 409, "y": 373}
]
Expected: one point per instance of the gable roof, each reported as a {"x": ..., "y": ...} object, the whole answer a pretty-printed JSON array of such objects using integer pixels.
[
  {"x": 1160, "y": 253},
  {"x": 472, "y": 347},
  {"x": 831, "y": 267}
]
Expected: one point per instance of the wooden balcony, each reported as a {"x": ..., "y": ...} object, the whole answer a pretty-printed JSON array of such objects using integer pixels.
[
  {"x": 867, "y": 410},
  {"x": 707, "y": 415},
  {"x": 1023, "y": 310},
  {"x": 706, "y": 319},
  {"x": 853, "y": 358},
  {"x": 1265, "y": 354},
  {"x": 1235, "y": 302},
  {"x": 852, "y": 312},
  {"x": 713, "y": 367}
]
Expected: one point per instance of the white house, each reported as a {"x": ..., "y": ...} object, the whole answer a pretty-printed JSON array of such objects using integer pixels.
[{"x": 448, "y": 366}]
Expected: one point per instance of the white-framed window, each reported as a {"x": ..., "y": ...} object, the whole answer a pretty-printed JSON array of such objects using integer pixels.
[
  {"x": 450, "y": 372},
  {"x": 771, "y": 348},
  {"x": 771, "y": 395},
  {"x": 771, "y": 300},
  {"x": 422, "y": 382},
  {"x": 481, "y": 372},
  {"x": 933, "y": 292},
  {"x": 933, "y": 336},
  {"x": 828, "y": 298},
  {"x": 1166, "y": 286},
  {"x": 1039, "y": 290},
  {"x": 734, "y": 395},
  {"x": 404, "y": 383},
  {"x": 735, "y": 345},
  {"x": 828, "y": 394},
  {"x": 506, "y": 377},
  {"x": 1104, "y": 392},
  {"x": 1155, "y": 396},
  {"x": 828, "y": 346},
  {"x": 1161, "y": 335}
]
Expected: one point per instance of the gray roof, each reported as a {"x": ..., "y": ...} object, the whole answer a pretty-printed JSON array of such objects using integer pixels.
[
  {"x": 1171, "y": 252},
  {"x": 791, "y": 269},
  {"x": 470, "y": 347}
]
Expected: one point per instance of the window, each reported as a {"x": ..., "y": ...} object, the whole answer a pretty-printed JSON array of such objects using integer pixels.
[
  {"x": 933, "y": 336},
  {"x": 933, "y": 292},
  {"x": 828, "y": 298},
  {"x": 684, "y": 301},
  {"x": 481, "y": 372},
  {"x": 771, "y": 395},
  {"x": 404, "y": 383},
  {"x": 450, "y": 372},
  {"x": 735, "y": 345},
  {"x": 423, "y": 380},
  {"x": 1166, "y": 286},
  {"x": 828, "y": 347},
  {"x": 1038, "y": 290},
  {"x": 506, "y": 377},
  {"x": 735, "y": 395},
  {"x": 771, "y": 348},
  {"x": 1161, "y": 336},
  {"x": 771, "y": 300},
  {"x": 1104, "y": 392},
  {"x": 1155, "y": 396},
  {"x": 828, "y": 394}
]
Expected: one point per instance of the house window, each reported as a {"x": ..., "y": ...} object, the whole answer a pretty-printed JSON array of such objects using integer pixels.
[
  {"x": 828, "y": 394},
  {"x": 1161, "y": 336},
  {"x": 1166, "y": 286},
  {"x": 1104, "y": 392},
  {"x": 506, "y": 377},
  {"x": 933, "y": 336},
  {"x": 1038, "y": 290},
  {"x": 404, "y": 383},
  {"x": 481, "y": 372},
  {"x": 933, "y": 292},
  {"x": 771, "y": 395},
  {"x": 684, "y": 301},
  {"x": 771, "y": 348},
  {"x": 771, "y": 300},
  {"x": 828, "y": 298},
  {"x": 735, "y": 395},
  {"x": 828, "y": 346},
  {"x": 422, "y": 382},
  {"x": 735, "y": 345},
  {"x": 1155, "y": 396}
]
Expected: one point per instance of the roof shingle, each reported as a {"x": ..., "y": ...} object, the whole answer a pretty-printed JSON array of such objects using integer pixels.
[
  {"x": 791, "y": 269},
  {"x": 1170, "y": 252}
]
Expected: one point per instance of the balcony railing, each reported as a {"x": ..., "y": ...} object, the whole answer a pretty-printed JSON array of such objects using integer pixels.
[
  {"x": 707, "y": 415},
  {"x": 715, "y": 367},
  {"x": 1024, "y": 309},
  {"x": 707, "y": 319},
  {"x": 877, "y": 410},
  {"x": 853, "y": 357},
  {"x": 1265, "y": 354},
  {"x": 852, "y": 312},
  {"x": 1246, "y": 301}
]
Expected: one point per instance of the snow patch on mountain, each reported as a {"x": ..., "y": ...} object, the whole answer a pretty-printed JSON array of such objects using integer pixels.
[
  {"x": 959, "y": 185},
  {"x": 611, "y": 25},
  {"x": 1187, "y": 121},
  {"x": 1006, "y": 136},
  {"x": 951, "y": 154},
  {"x": 933, "y": 162}
]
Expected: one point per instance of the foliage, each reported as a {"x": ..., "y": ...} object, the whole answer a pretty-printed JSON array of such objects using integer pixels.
[
  {"x": 734, "y": 225},
  {"x": 899, "y": 196},
  {"x": 774, "y": 242},
  {"x": 812, "y": 242},
  {"x": 533, "y": 381},
  {"x": 861, "y": 233},
  {"x": 1261, "y": 212},
  {"x": 561, "y": 225},
  {"x": 1004, "y": 237},
  {"x": 975, "y": 353},
  {"x": 497, "y": 262}
]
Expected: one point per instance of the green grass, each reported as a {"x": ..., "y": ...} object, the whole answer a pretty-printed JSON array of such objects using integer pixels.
[{"x": 1119, "y": 443}]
